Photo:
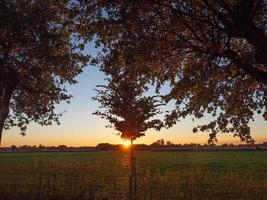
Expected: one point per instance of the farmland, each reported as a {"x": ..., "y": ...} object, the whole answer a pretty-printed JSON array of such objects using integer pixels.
[{"x": 160, "y": 175}]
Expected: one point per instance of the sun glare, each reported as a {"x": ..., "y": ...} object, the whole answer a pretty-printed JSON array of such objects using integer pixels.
[{"x": 126, "y": 143}]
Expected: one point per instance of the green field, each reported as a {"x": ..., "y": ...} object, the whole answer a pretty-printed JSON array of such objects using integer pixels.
[{"x": 160, "y": 175}]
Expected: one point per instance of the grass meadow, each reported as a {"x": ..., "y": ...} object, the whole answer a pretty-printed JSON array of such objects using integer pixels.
[{"x": 160, "y": 175}]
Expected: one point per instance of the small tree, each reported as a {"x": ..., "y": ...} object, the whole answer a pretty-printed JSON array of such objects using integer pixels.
[
  {"x": 131, "y": 113},
  {"x": 37, "y": 56},
  {"x": 125, "y": 106}
]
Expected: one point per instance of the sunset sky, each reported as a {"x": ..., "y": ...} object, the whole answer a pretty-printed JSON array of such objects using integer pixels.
[{"x": 80, "y": 128}]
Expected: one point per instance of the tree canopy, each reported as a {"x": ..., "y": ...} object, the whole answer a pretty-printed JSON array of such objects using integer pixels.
[
  {"x": 213, "y": 54},
  {"x": 126, "y": 106},
  {"x": 37, "y": 59}
]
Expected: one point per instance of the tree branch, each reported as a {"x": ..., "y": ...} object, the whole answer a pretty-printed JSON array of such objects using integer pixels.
[{"x": 254, "y": 72}]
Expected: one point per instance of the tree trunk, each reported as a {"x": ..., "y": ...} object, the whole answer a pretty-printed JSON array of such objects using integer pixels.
[
  {"x": 2, "y": 121},
  {"x": 5, "y": 98},
  {"x": 133, "y": 183},
  {"x": 132, "y": 153}
]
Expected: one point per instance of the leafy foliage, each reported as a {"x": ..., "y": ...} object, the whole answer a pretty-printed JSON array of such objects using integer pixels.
[
  {"x": 125, "y": 106},
  {"x": 37, "y": 58},
  {"x": 213, "y": 53}
]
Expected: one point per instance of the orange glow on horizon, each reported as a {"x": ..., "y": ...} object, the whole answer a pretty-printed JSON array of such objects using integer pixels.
[{"x": 126, "y": 144}]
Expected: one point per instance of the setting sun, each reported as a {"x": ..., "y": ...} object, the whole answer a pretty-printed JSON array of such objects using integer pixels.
[{"x": 126, "y": 143}]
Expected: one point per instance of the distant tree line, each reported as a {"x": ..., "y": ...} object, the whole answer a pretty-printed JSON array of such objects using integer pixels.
[
  {"x": 45, "y": 148},
  {"x": 159, "y": 145}
]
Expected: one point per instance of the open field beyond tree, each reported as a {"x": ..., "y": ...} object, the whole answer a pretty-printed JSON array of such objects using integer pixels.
[{"x": 160, "y": 175}]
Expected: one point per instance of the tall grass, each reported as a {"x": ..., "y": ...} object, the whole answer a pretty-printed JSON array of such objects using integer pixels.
[{"x": 104, "y": 176}]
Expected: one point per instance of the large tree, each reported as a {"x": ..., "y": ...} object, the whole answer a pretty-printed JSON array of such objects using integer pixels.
[
  {"x": 213, "y": 53},
  {"x": 38, "y": 56}
]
